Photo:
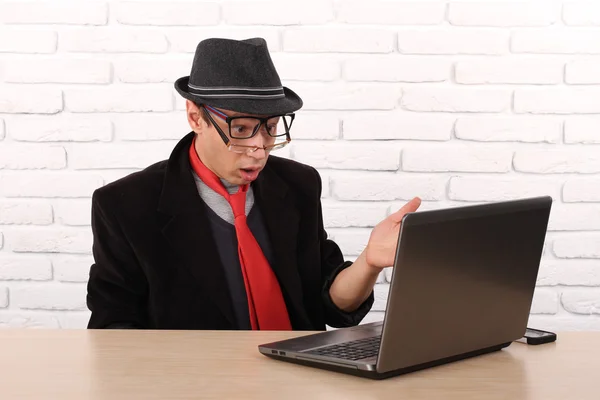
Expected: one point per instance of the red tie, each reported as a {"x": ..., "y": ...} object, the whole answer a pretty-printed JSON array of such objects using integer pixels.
[{"x": 265, "y": 302}]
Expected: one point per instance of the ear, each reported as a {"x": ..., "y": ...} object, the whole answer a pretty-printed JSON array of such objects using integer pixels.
[{"x": 194, "y": 117}]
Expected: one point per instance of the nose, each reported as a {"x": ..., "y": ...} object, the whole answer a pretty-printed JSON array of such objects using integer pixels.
[{"x": 258, "y": 141}]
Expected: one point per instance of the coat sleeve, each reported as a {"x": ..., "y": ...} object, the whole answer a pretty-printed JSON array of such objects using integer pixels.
[
  {"x": 332, "y": 263},
  {"x": 117, "y": 287}
]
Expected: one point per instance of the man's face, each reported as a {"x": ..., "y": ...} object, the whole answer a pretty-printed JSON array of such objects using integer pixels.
[{"x": 236, "y": 168}]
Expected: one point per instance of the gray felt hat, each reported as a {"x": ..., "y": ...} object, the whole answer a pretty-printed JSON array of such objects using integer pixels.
[{"x": 237, "y": 75}]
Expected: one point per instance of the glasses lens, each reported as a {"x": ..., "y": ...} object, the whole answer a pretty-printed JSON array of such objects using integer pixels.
[
  {"x": 244, "y": 128},
  {"x": 241, "y": 149},
  {"x": 278, "y": 146}
]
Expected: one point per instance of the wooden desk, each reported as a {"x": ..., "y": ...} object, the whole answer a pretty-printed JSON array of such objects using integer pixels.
[{"x": 110, "y": 365}]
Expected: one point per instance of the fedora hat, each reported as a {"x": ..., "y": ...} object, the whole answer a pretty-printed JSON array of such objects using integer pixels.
[{"x": 237, "y": 75}]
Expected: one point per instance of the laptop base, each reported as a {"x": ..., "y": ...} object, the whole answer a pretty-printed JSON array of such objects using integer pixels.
[{"x": 378, "y": 376}]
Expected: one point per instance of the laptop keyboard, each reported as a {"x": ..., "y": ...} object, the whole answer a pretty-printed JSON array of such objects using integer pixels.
[{"x": 354, "y": 350}]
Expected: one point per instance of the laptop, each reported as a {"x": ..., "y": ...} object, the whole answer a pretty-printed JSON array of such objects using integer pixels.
[{"x": 462, "y": 286}]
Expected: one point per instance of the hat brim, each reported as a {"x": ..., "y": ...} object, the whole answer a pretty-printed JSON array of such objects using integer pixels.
[{"x": 290, "y": 103}]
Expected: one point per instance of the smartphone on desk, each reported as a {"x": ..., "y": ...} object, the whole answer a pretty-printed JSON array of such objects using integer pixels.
[{"x": 537, "y": 336}]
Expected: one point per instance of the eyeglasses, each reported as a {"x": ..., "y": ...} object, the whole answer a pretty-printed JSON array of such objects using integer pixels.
[{"x": 245, "y": 127}]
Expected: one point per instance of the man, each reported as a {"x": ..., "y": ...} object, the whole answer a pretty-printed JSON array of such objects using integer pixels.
[{"x": 223, "y": 235}]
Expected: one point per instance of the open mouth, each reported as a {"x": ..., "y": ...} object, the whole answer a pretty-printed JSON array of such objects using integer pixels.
[{"x": 249, "y": 174}]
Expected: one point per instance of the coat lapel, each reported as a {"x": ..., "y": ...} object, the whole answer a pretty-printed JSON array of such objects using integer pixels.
[{"x": 188, "y": 229}]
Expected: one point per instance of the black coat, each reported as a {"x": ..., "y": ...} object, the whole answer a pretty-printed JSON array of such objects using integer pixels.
[{"x": 156, "y": 265}]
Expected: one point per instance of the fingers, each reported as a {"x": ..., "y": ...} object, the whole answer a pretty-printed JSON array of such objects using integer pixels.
[{"x": 411, "y": 206}]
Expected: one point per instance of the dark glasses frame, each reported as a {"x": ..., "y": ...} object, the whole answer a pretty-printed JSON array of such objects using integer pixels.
[{"x": 208, "y": 110}]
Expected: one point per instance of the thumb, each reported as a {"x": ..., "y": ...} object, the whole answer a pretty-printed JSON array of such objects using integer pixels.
[{"x": 411, "y": 206}]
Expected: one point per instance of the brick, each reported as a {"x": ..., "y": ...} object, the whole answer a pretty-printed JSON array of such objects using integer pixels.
[
  {"x": 338, "y": 40},
  {"x": 557, "y": 160},
  {"x": 373, "y": 316},
  {"x": 30, "y": 100},
  {"x": 582, "y": 130},
  {"x": 25, "y": 268},
  {"x": 113, "y": 40},
  {"x": 57, "y": 71},
  {"x": 397, "y": 126},
  {"x": 511, "y": 71},
  {"x": 392, "y": 12},
  {"x": 525, "y": 129},
  {"x": 164, "y": 13},
  {"x": 180, "y": 103},
  {"x": 185, "y": 40},
  {"x": 27, "y": 40},
  {"x": 453, "y": 41},
  {"x": 380, "y": 278},
  {"x": 307, "y": 12},
  {"x": 293, "y": 67},
  {"x": 315, "y": 125},
  {"x": 581, "y": 13},
  {"x": 150, "y": 126},
  {"x": 51, "y": 240},
  {"x": 556, "y": 41},
  {"x": 73, "y": 212},
  {"x": 574, "y": 217},
  {"x": 72, "y": 268},
  {"x": 120, "y": 98},
  {"x": 582, "y": 245},
  {"x": 31, "y": 156},
  {"x": 49, "y": 184},
  {"x": 387, "y": 273},
  {"x": 4, "y": 297},
  {"x": 586, "y": 302},
  {"x": 569, "y": 273},
  {"x": 581, "y": 190},
  {"x": 564, "y": 322},
  {"x": 60, "y": 128},
  {"x": 352, "y": 241},
  {"x": 28, "y": 320},
  {"x": 119, "y": 155},
  {"x": 348, "y": 96},
  {"x": 501, "y": 188},
  {"x": 371, "y": 186},
  {"x": 74, "y": 319},
  {"x": 545, "y": 301},
  {"x": 152, "y": 69},
  {"x": 503, "y": 14},
  {"x": 381, "y": 292},
  {"x": 425, "y": 205},
  {"x": 348, "y": 155},
  {"x": 50, "y": 297},
  {"x": 392, "y": 68},
  {"x": 54, "y": 12},
  {"x": 352, "y": 214},
  {"x": 582, "y": 72},
  {"x": 457, "y": 158},
  {"x": 580, "y": 100},
  {"x": 450, "y": 99},
  {"x": 25, "y": 213}
]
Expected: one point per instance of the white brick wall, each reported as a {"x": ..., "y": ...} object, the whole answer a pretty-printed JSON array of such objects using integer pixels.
[{"x": 457, "y": 102}]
